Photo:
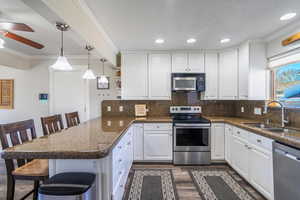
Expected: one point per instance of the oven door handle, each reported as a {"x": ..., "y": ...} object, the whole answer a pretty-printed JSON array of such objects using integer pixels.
[{"x": 192, "y": 125}]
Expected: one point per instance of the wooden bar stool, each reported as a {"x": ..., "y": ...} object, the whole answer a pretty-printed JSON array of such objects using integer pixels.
[
  {"x": 72, "y": 119},
  {"x": 36, "y": 170},
  {"x": 52, "y": 124}
]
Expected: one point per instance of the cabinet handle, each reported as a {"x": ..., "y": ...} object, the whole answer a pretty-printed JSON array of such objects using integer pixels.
[
  {"x": 120, "y": 147},
  {"x": 238, "y": 132},
  {"x": 128, "y": 143},
  {"x": 120, "y": 160},
  {"x": 120, "y": 172},
  {"x": 258, "y": 140}
]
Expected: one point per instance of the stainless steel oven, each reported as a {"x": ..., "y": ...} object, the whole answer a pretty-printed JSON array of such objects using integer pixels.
[{"x": 191, "y": 137}]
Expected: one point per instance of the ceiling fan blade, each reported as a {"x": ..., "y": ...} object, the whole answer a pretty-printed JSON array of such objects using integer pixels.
[
  {"x": 22, "y": 39},
  {"x": 15, "y": 26}
]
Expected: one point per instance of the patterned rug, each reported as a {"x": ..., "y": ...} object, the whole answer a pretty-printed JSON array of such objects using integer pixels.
[
  {"x": 152, "y": 184},
  {"x": 218, "y": 185}
]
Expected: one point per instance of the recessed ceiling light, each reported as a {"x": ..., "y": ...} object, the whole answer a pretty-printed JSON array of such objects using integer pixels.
[
  {"x": 1, "y": 43},
  {"x": 225, "y": 40},
  {"x": 191, "y": 40},
  {"x": 288, "y": 16},
  {"x": 159, "y": 41}
]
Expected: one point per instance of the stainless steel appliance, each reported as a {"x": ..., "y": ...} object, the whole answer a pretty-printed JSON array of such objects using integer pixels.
[
  {"x": 286, "y": 161},
  {"x": 188, "y": 82},
  {"x": 191, "y": 136}
]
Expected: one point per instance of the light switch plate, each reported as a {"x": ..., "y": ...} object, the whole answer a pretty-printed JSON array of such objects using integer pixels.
[
  {"x": 242, "y": 109},
  {"x": 108, "y": 108},
  {"x": 257, "y": 111},
  {"x": 121, "y": 109}
]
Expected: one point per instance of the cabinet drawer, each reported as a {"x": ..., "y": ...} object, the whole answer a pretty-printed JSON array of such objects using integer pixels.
[
  {"x": 157, "y": 126},
  {"x": 240, "y": 133},
  {"x": 260, "y": 141}
]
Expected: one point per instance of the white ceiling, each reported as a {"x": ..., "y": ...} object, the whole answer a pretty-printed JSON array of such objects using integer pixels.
[
  {"x": 27, "y": 12},
  {"x": 135, "y": 24}
]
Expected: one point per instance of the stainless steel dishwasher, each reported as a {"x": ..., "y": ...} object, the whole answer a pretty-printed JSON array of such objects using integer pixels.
[{"x": 286, "y": 162}]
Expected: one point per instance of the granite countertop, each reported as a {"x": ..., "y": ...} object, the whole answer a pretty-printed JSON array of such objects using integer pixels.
[
  {"x": 90, "y": 140},
  {"x": 290, "y": 138},
  {"x": 95, "y": 138}
]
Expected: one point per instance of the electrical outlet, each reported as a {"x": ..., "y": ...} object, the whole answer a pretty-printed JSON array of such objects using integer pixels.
[
  {"x": 121, "y": 108},
  {"x": 108, "y": 108},
  {"x": 257, "y": 111},
  {"x": 242, "y": 109}
]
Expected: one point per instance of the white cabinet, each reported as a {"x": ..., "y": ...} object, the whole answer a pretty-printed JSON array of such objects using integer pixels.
[
  {"x": 158, "y": 142},
  {"x": 159, "y": 76},
  {"x": 211, "y": 73},
  {"x": 251, "y": 156},
  {"x": 138, "y": 142},
  {"x": 217, "y": 141},
  {"x": 134, "y": 76},
  {"x": 240, "y": 156},
  {"x": 180, "y": 62},
  {"x": 252, "y": 71},
  {"x": 192, "y": 62},
  {"x": 228, "y": 78},
  {"x": 196, "y": 62},
  {"x": 228, "y": 139}
]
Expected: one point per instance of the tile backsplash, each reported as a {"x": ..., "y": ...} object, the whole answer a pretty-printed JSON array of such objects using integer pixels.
[{"x": 226, "y": 108}]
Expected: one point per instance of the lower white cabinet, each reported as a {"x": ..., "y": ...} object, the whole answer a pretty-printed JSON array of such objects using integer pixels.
[
  {"x": 251, "y": 156},
  {"x": 240, "y": 156},
  {"x": 217, "y": 141},
  {"x": 158, "y": 142},
  {"x": 228, "y": 136},
  {"x": 138, "y": 142}
]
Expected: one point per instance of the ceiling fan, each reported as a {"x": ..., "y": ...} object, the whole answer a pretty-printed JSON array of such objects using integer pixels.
[{"x": 6, "y": 27}]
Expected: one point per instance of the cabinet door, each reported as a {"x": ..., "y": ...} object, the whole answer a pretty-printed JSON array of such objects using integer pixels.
[
  {"x": 240, "y": 157},
  {"x": 180, "y": 62},
  {"x": 217, "y": 141},
  {"x": 228, "y": 75},
  {"x": 211, "y": 73},
  {"x": 134, "y": 76},
  {"x": 160, "y": 76},
  {"x": 158, "y": 145},
  {"x": 138, "y": 142},
  {"x": 196, "y": 62},
  {"x": 228, "y": 138},
  {"x": 243, "y": 71},
  {"x": 261, "y": 173}
]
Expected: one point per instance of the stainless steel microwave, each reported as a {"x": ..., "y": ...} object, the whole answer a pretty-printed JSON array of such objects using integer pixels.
[{"x": 188, "y": 82}]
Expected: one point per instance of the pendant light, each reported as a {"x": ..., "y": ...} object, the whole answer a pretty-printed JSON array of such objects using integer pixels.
[
  {"x": 89, "y": 74},
  {"x": 62, "y": 62},
  {"x": 1, "y": 43},
  {"x": 103, "y": 78}
]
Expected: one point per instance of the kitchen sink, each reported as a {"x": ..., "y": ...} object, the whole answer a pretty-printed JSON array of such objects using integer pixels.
[{"x": 271, "y": 128}]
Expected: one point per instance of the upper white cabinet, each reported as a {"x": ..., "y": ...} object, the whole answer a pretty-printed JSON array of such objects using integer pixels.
[
  {"x": 217, "y": 141},
  {"x": 180, "y": 62},
  {"x": 188, "y": 62},
  {"x": 252, "y": 71},
  {"x": 228, "y": 78},
  {"x": 196, "y": 62},
  {"x": 211, "y": 73},
  {"x": 160, "y": 76},
  {"x": 134, "y": 76}
]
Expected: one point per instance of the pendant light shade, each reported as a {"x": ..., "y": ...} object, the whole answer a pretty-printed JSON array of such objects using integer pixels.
[
  {"x": 103, "y": 79},
  {"x": 89, "y": 74},
  {"x": 1, "y": 43},
  {"x": 62, "y": 63}
]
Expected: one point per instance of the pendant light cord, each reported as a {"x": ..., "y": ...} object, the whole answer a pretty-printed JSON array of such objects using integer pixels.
[
  {"x": 103, "y": 67},
  {"x": 62, "y": 44},
  {"x": 88, "y": 59}
]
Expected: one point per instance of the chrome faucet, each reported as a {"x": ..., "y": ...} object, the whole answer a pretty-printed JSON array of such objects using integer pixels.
[{"x": 283, "y": 120}]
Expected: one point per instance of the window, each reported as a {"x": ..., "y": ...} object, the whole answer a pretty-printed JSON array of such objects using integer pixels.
[
  {"x": 6, "y": 94},
  {"x": 287, "y": 84}
]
